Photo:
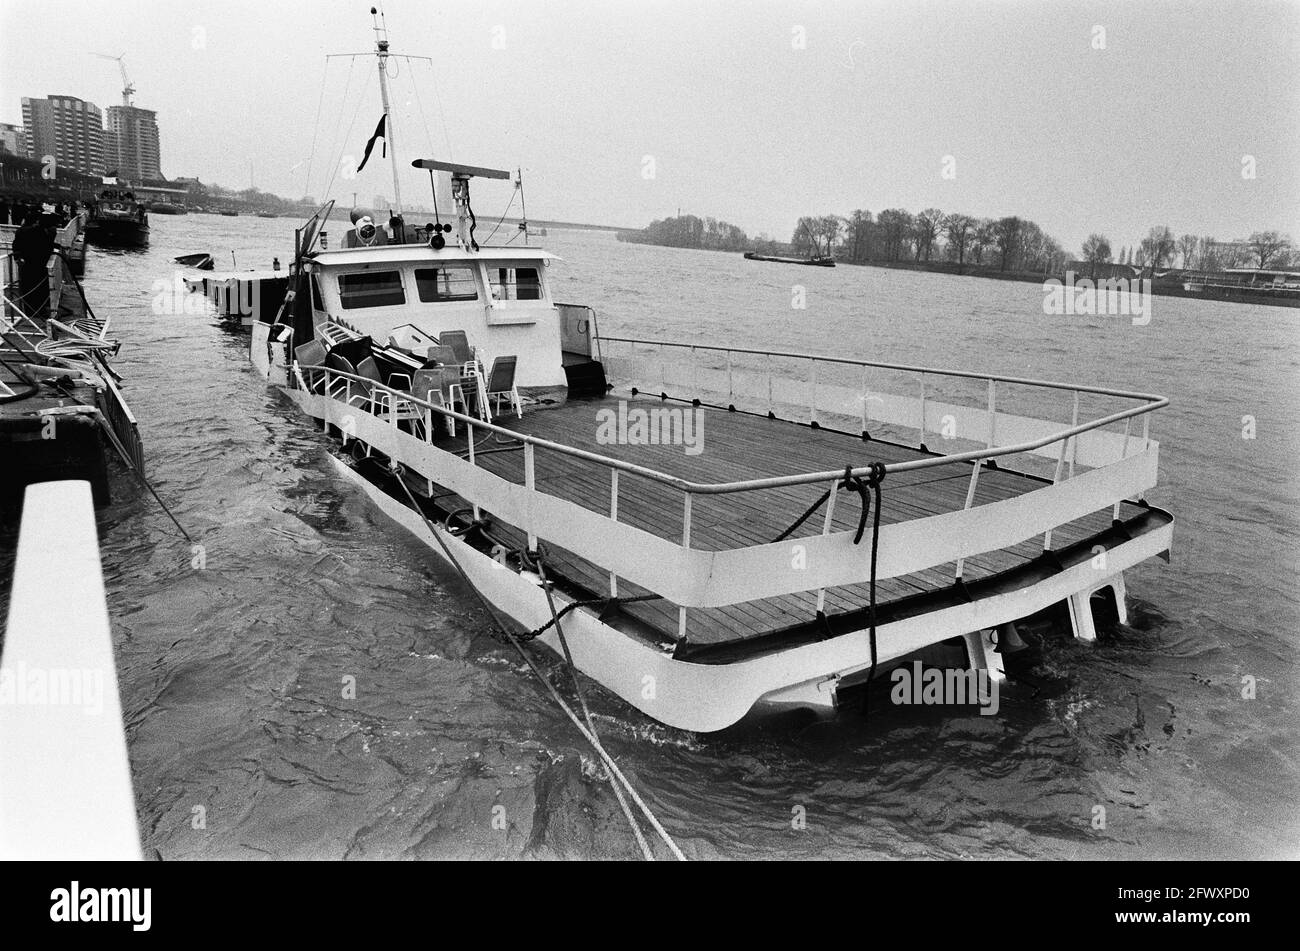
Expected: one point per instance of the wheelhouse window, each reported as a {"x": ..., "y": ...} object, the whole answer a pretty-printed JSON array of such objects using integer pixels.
[
  {"x": 449, "y": 282},
  {"x": 515, "y": 283},
  {"x": 371, "y": 289}
]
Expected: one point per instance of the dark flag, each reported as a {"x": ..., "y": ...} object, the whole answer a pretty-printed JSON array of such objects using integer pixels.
[{"x": 379, "y": 130}]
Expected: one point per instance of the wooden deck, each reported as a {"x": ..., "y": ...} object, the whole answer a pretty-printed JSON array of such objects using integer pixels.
[{"x": 738, "y": 447}]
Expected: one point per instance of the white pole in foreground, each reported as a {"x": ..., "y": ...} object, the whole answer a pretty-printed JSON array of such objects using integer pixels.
[{"x": 65, "y": 779}]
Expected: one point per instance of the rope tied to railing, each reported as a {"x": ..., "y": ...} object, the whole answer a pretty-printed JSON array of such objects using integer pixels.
[
  {"x": 860, "y": 484},
  {"x": 874, "y": 479},
  {"x": 603, "y": 603},
  {"x": 868, "y": 488}
]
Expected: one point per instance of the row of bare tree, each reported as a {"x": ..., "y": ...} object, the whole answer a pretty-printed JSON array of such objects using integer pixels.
[
  {"x": 1007, "y": 244},
  {"x": 1160, "y": 249},
  {"x": 690, "y": 231},
  {"x": 896, "y": 234}
]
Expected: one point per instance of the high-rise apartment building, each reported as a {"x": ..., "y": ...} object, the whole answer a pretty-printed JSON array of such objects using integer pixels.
[
  {"x": 132, "y": 139},
  {"x": 70, "y": 129}
]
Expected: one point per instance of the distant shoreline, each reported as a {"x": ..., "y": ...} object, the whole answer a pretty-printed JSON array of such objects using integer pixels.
[{"x": 1159, "y": 287}]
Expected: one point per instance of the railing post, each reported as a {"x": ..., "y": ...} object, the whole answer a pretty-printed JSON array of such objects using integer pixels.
[
  {"x": 1056, "y": 478},
  {"x": 970, "y": 498},
  {"x": 922, "y": 426},
  {"x": 864, "y": 399},
  {"x": 731, "y": 387},
  {"x": 812, "y": 409},
  {"x": 826, "y": 530},
  {"x": 613, "y": 515},
  {"x": 531, "y": 486},
  {"x": 771, "y": 407},
  {"x": 1074, "y": 421},
  {"x": 469, "y": 434},
  {"x": 993, "y": 412},
  {"x": 686, "y": 543},
  {"x": 1128, "y": 427}
]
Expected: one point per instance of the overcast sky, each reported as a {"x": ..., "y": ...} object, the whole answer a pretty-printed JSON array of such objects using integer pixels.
[{"x": 755, "y": 113}]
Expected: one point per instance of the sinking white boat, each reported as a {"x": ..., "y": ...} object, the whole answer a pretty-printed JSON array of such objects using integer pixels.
[{"x": 723, "y": 530}]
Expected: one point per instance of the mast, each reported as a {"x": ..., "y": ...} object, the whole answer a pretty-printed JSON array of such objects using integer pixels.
[
  {"x": 381, "y": 52},
  {"x": 523, "y": 205}
]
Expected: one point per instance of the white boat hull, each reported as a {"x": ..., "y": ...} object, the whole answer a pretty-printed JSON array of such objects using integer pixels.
[{"x": 710, "y": 697}]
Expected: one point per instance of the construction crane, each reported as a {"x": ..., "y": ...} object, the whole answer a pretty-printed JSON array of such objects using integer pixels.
[{"x": 127, "y": 89}]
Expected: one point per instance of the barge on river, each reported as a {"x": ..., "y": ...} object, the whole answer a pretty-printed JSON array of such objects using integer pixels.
[
  {"x": 722, "y": 530},
  {"x": 663, "y": 509},
  {"x": 817, "y": 260}
]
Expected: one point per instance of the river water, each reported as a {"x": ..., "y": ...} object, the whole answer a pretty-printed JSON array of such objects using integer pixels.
[{"x": 233, "y": 674}]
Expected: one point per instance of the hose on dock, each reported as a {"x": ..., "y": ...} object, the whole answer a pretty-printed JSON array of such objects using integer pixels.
[{"x": 589, "y": 735}]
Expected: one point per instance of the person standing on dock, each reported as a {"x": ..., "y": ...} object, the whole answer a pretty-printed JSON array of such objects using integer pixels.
[{"x": 33, "y": 245}]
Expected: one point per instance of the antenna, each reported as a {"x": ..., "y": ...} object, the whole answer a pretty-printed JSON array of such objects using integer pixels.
[
  {"x": 460, "y": 177},
  {"x": 128, "y": 90},
  {"x": 381, "y": 51},
  {"x": 381, "y": 26},
  {"x": 382, "y": 54},
  {"x": 523, "y": 205}
]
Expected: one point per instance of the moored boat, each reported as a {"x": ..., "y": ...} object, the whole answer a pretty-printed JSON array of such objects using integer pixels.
[
  {"x": 117, "y": 219},
  {"x": 727, "y": 530},
  {"x": 62, "y": 412},
  {"x": 1263, "y": 285}
]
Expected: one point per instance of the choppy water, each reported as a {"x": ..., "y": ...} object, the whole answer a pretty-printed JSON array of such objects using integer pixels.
[{"x": 233, "y": 675}]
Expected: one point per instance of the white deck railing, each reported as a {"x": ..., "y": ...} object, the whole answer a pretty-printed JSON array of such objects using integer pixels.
[
  {"x": 795, "y": 385},
  {"x": 691, "y": 577}
]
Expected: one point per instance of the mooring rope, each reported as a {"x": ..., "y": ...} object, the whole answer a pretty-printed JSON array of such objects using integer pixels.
[
  {"x": 877, "y": 476},
  {"x": 586, "y": 713},
  {"x": 849, "y": 481},
  {"x": 866, "y": 487},
  {"x": 589, "y": 735}
]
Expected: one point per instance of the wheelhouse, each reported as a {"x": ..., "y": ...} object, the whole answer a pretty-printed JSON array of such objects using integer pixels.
[{"x": 499, "y": 297}]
